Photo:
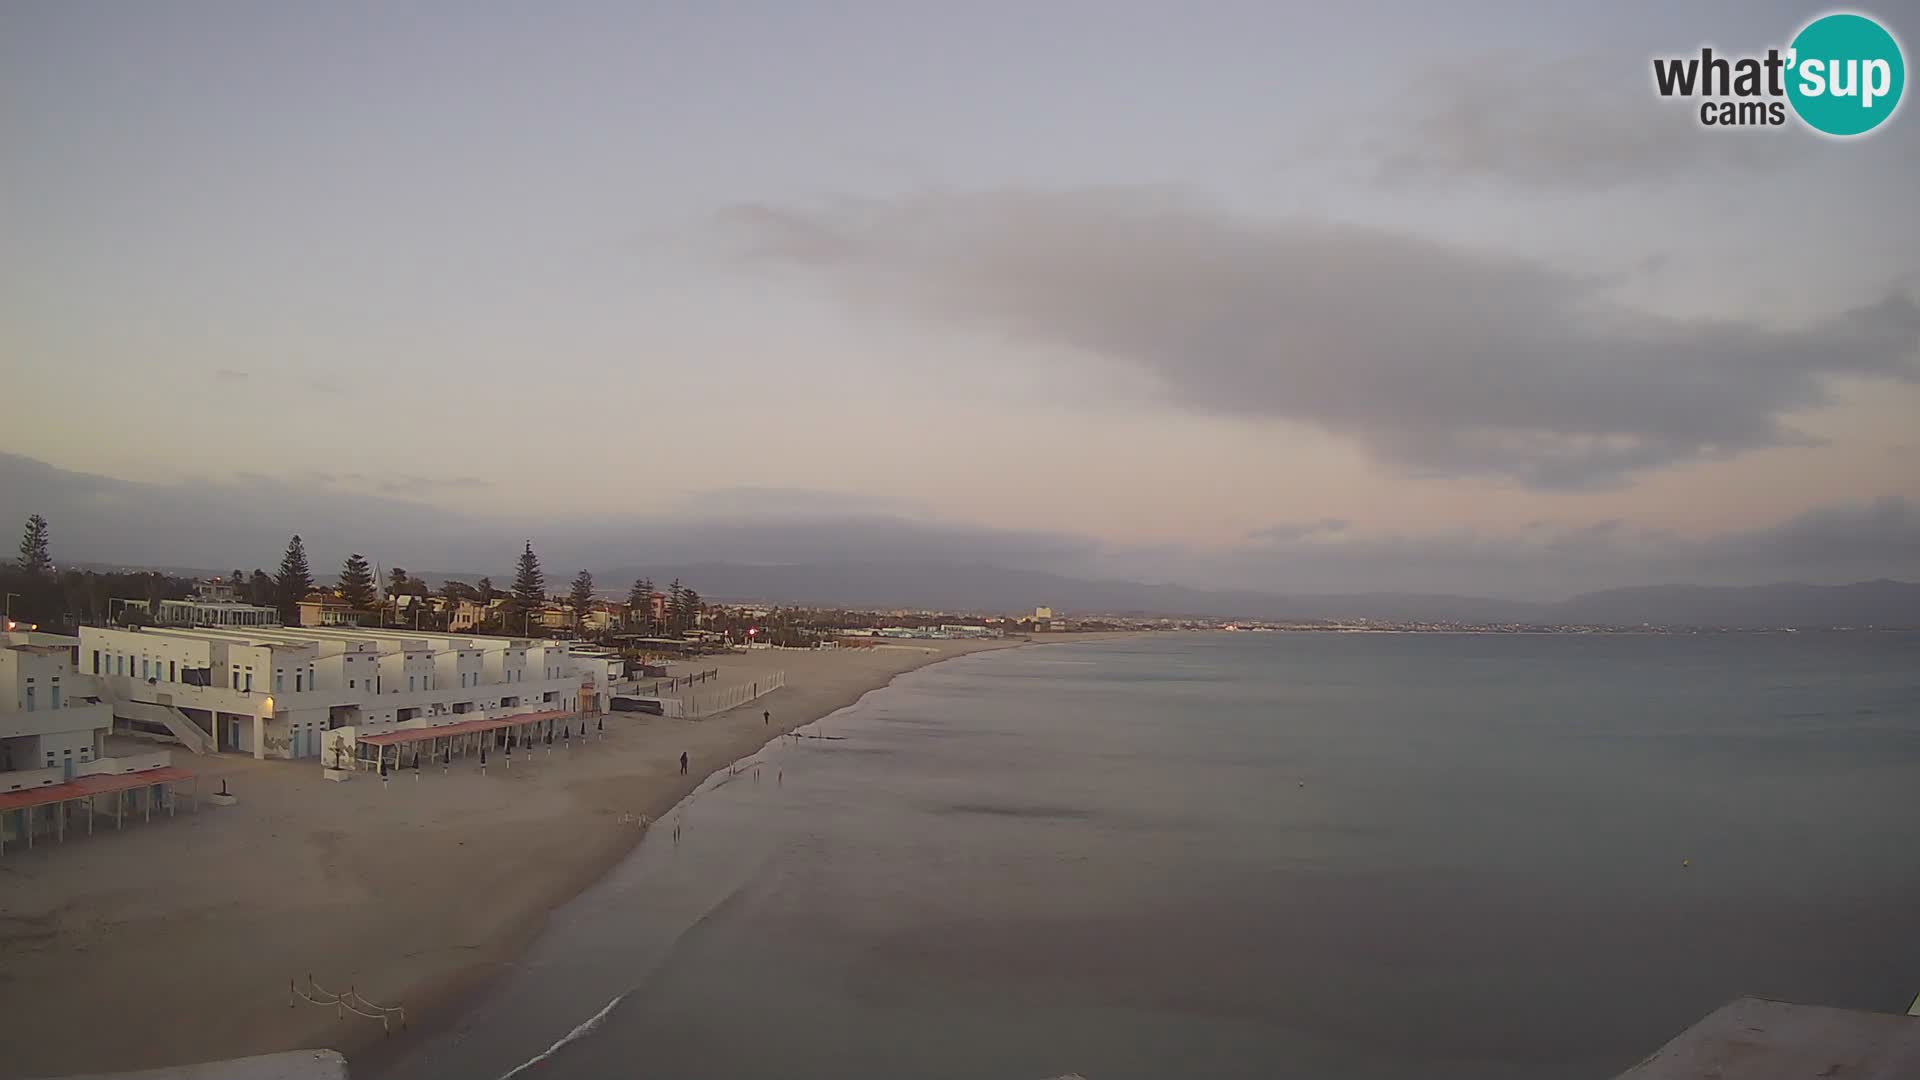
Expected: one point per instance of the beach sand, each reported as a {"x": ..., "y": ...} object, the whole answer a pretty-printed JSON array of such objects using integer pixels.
[{"x": 175, "y": 941}]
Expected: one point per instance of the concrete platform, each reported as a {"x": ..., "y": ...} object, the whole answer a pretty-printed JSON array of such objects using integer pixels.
[
  {"x": 293, "y": 1065},
  {"x": 1755, "y": 1039}
]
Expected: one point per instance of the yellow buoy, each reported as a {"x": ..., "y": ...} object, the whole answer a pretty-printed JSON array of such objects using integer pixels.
[{"x": 1686, "y": 862}]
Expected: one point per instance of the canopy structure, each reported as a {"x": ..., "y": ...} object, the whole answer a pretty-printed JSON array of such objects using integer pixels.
[
  {"x": 85, "y": 790},
  {"x": 461, "y": 738}
]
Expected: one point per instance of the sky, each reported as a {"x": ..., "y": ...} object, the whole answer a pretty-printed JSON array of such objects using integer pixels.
[{"x": 1436, "y": 297}]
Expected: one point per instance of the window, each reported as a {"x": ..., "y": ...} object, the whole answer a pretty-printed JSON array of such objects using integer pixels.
[
  {"x": 410, "y": 679},
  {"x": 143, "y": 667},
  {"x": 171, "y": 674},
  {"x": 96, "y": 661},
  {"x": 296, "y": 680},
  {"x": 279, "y": 681},
  {"x": 29, "y": 699},
  {"x": 56, "y": 695},
  {"x": 249, "y": 686},
  {"x": 350, "y": 684}
]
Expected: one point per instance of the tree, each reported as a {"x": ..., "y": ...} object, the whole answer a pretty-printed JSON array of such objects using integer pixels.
[
  {"x": 236, "y": 579},
  {"x": 294, "y": 582},
  {"x": 486, "y": 594},
  {"x": 260, "y": 588},
  {"x": 356, "y": 583},
  {"x": 689, "y": 610},
  {"x": 397, "y": 582},
  {"x": 640, "y": 603},
  {"x": 34, "y": 556},
  {"x": 529, "y": 584},
  {"x": 675, "y": 593},
  {"x": 582, "y": 594},
  {"x": 456, "y": 591}
]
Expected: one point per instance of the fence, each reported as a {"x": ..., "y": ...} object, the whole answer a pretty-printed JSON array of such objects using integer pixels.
[
  {"x": 668, "y": 686},
  {"x": 702, "y": 705}
]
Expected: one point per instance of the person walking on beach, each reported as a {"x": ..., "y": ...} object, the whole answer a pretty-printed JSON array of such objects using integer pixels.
[
  {"x": 766, "y": 717},
  {"x": 683, "y": 763}
]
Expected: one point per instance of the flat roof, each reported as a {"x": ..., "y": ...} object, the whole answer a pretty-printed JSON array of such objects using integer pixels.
[
  {"x": 464, "y": 727},
  {"x": 1773, "y": 1040},
  {"x": 88, "y": 786}
]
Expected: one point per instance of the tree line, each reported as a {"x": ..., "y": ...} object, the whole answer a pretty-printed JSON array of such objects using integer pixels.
[{"x": 35, "y": 592}]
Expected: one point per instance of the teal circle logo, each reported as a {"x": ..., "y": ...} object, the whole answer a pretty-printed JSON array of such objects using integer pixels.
[{"x": 1845, "y": 74}]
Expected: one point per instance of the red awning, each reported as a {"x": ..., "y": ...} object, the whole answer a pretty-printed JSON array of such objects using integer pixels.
[
  {"x": 88, "y": 786},
  {"x": 464, "y": 727}
]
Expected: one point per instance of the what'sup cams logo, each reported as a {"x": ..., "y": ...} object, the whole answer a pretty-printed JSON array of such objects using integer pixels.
[{"x": 1842, "y": 75}]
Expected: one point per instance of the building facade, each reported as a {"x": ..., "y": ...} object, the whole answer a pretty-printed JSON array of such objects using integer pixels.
[
  {"x": 51, "y": 729},
  {"x": 278, "y": 691}
]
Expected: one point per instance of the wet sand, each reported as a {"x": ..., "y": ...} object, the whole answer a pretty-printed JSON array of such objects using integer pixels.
[{"x": 175, "y": 941}]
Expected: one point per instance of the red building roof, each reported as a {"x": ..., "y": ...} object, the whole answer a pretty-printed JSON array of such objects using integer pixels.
[
  {"x": 464, "y": 727},
  {"x": 88, "y": 786}
]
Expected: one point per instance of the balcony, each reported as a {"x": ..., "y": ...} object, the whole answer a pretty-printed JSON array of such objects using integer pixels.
[{"x": 53, "y": 721}]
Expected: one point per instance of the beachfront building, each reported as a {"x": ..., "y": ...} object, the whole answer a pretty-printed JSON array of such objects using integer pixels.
[
  {"x": 53, "y": 732},
  {"x": 307, "y": 692},
  {"x": 49, "y": 727}
]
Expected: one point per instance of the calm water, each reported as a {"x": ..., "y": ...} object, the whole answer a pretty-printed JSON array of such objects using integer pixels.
[{"x": 1282, "y": 855}]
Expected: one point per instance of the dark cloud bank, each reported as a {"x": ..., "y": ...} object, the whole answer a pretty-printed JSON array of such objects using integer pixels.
[
  {"x": 1435, "y": 358},
  {"x": 821, "y": 548}
]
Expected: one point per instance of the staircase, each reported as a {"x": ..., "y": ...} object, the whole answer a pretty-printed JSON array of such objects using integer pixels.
[{"x": 177, "y": 723}]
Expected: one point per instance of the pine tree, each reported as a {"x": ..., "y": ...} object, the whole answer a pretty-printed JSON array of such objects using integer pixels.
[
  {"x": 397, "y": 582},
  {"x": 675, "y": 593},
  {"x": 35, "y": 558},
  {"x": 529, "y": 584},
  {"x": 356, "y": 583},
  {"x": 484, "y": 591},
  {"x": 582, "y": 593},
  {"x": 691, "y": 617},
  {"x": 640, "y": 604},
  {"x": 294, "y": 582}
]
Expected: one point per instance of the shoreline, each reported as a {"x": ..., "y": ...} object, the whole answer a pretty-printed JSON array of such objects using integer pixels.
[{"x": 193, "y": 928}]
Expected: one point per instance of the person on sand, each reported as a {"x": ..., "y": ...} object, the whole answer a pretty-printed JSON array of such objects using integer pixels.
[
  {"x": 766, "y": 717},
  {"x": 683, "y": 763}
]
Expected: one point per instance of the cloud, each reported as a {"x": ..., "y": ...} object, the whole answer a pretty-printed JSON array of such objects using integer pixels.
[
  {"x": 229, "y": 375},
  {"x": 1298, "y": 530},
  {"x": 1489, "y": 118},
  {"x": 1435, "y": 358},
  {"x": 1826, "y": 545},
  {"x": 411, "y": 484},
  {"x": 221, "y": 525}
]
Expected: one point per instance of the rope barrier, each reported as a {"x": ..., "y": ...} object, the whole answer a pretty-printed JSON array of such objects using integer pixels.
[{"x": 349, "y": 1002}]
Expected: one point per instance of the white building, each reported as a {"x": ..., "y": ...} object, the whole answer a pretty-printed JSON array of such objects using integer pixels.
[
  {"x": 49, "y": 727},
  {"x": 278, "y": 691},
  {"x": 200, "y": 612}
]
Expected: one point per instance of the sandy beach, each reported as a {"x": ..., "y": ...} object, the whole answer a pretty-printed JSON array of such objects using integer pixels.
[{"x": 175, "y": 941}]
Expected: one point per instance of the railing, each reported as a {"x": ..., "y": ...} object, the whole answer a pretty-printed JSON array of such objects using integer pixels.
[{"x": 349, "y": 1002}]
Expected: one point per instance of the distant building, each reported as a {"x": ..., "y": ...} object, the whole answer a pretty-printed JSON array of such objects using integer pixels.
[
  {"x": 204, "y": 612},
  {"x": 218, "y": 591},
  {"x": 326, "y": 609},
  {"x": 472, "y": 614}
]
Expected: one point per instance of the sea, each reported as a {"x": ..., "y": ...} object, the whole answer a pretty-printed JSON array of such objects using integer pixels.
[{"x": 1300, "y": 854}]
